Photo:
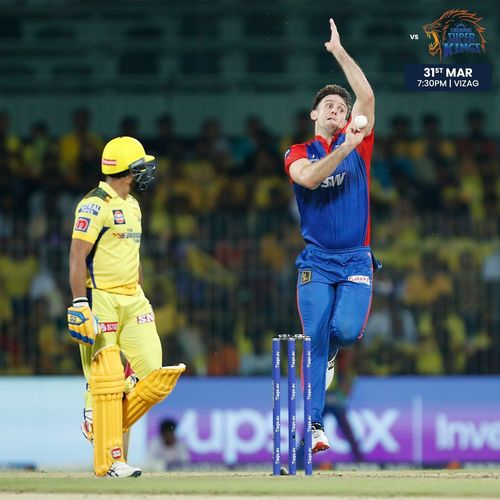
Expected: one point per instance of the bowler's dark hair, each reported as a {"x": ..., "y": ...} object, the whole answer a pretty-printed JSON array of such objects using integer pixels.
[{"x": 330, "y": 90}]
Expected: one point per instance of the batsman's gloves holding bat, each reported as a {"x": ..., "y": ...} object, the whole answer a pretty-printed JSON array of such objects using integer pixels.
[{"x": 83, "y": 325}]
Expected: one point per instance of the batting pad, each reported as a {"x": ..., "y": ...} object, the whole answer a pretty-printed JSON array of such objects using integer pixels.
[
  {"x": 150, "y": 390},
  {"x": 106, "y": 386}
]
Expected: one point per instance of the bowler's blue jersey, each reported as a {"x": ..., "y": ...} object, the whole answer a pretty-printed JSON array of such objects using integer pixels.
[{"x": 335, "y": 215}]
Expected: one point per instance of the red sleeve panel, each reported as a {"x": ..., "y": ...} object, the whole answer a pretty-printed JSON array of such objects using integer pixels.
[
  {"x": 365, "y": 149},
  {"x": 294, "y": 153}
]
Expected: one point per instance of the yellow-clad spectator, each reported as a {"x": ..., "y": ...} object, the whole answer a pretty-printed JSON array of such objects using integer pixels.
[
  {"x": 430, "y": 148},
  {"x": 6, "y": 313},
  {"x": 17, "y": 270},
  {"x": 10, "y": 147},
  {"x": 80, "y": 150},
  {"x": 35, "y": 150},
  {"x": 427, "y": 284},
  {"x": 428, "y": 357}
]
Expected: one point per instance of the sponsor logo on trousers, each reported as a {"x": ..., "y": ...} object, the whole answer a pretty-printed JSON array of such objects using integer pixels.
[
  {"x": 109, "y": 326},
  {"x": 365, "y": 280}
]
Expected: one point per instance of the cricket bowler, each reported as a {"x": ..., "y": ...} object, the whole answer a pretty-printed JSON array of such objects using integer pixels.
[{"x": 330, "y": 178}]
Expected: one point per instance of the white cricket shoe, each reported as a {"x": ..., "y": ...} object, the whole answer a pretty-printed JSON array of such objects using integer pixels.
[
  {"x": 330, "y": 370},
  {"x": 121, "y": 469},
  {"x": 319, "y": 440}
]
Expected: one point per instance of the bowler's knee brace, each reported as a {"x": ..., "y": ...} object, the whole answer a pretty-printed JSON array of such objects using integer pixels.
[
  {"x": 106, "y": 386},
  {"x": 150, "y": 390}
]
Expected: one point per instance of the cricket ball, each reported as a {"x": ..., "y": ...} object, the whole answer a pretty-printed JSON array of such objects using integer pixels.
[{"x": 360, "y": 122}]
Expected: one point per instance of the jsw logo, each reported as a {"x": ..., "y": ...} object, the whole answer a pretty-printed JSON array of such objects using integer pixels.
[
  {"x": 232, "y": 435},
  {"x": 333, "y": 180}
]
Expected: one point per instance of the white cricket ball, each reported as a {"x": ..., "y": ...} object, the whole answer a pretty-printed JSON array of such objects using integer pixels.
[{"x": 360, "y": 122}]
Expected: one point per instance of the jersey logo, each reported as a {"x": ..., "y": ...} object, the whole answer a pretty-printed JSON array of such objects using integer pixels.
[
  {"x": 145, "y": 318},
  {"x": 89, "y": 208},
  {"x": 333, "y": 180},
  {"x": 364, "y": 280},
  {"x": 82, "y": 224},
  {"x": 287, "y": 153},
  {"x": 118, "y": 217},
  {"x": 305, "y": 277}
]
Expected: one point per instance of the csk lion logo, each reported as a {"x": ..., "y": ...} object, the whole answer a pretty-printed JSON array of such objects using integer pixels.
[{"x": 456, "y": 31}]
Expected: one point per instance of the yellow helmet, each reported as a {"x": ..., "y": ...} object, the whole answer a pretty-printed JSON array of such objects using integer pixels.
[{"x": 120, "y": 153}]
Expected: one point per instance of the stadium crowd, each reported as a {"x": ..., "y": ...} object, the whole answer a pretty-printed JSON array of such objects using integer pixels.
[{"x": 220, "y": 236}]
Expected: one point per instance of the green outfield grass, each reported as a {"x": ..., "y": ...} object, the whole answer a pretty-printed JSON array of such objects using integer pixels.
[{"x": 383, "y": 484}]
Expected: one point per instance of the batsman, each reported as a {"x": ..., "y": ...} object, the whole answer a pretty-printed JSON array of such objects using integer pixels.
[{"x": 110, "y": 315}]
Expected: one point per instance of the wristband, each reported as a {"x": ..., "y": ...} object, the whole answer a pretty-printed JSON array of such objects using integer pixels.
[{"x": 80, "y": 301}]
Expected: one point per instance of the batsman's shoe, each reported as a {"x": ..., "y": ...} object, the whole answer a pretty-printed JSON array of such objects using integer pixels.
[
  {"x": 122, "y": 469},
  {"x": 319, "y": 439},
  {"x": 330, "y": 369}
]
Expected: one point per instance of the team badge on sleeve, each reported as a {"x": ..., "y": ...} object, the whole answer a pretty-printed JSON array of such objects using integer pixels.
[
  {"x": 118, "y": 217},
  {"x": 82, "y": 224}
]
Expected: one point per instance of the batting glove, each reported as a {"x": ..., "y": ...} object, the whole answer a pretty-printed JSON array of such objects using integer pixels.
[{"x": 83, "y": 325}]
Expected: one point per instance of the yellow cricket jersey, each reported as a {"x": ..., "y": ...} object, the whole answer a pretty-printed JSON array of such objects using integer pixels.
[{"x": 113, "y": 226}]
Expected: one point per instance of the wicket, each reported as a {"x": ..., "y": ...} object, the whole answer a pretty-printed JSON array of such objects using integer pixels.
[{"x": 292, "y": 408}]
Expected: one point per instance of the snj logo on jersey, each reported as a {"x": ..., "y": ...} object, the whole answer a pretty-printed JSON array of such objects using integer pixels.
[
  {"x": 82, "y": 224},
  {"x": 455, "y": 32},
  {"x": 118, "y": 217},
  {"x": 364, "y": 280},
  {"x": 145, "y": 318}
]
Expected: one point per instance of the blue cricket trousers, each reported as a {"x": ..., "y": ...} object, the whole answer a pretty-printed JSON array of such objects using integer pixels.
[{"x": 334, "y": 292}]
